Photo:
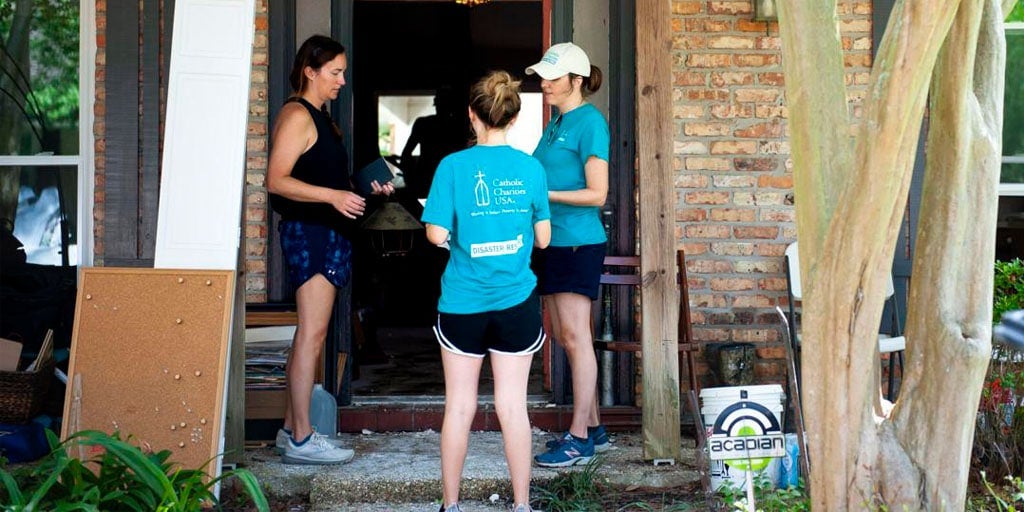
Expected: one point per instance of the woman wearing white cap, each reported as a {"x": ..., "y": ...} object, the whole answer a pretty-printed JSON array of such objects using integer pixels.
[{"x": 574, "y": 152}]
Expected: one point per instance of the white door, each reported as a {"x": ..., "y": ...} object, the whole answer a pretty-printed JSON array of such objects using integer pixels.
[{"x": 198, "y": 225}]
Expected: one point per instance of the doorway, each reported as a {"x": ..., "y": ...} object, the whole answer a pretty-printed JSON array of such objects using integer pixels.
[{"x": 401, "y": 53}]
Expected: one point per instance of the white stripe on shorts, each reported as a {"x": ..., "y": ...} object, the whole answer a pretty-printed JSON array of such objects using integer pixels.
[
  {"x": 533, "y": 348},
  {"x": 447, "y": 344}
]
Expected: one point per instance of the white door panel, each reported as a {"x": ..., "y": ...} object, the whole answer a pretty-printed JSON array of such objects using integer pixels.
[{"x": 203, "y": 170}]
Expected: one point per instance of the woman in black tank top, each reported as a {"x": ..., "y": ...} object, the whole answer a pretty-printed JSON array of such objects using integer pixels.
[{"x": 309, "y": 185}]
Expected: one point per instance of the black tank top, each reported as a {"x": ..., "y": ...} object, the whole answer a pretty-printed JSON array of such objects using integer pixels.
[{"x": 325, "y": 164}]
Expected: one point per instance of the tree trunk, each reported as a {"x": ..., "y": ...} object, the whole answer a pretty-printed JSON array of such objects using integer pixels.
[{"x": 859, "y": 457}]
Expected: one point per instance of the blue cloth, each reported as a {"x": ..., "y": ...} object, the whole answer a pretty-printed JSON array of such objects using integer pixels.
[
  {"x": 488, "y": 198},
  {"x": 568, "y": 142},
  {"x": 311, "y": 249}
]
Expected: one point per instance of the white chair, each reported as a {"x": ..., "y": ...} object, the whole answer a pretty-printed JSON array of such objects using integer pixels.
[{"x": 892, "y": 344}]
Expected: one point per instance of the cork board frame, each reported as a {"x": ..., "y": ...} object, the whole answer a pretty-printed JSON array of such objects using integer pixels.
[{"x": 149, "y": 357}]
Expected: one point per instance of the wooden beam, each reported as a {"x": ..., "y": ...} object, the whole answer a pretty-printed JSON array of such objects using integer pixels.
[{"x": 660, "y": 297}]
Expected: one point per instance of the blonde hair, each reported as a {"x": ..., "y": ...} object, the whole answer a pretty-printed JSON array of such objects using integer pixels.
[{"x": 495, "y": 99}]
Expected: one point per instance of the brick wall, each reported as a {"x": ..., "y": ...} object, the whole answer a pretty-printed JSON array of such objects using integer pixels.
[
  {"x": 256, "y": 166},
  {"x": 734, "y": 181},
  {"x": 100, "y": 133}
]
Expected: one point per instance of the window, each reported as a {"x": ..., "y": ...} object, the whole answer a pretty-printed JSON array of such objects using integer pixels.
[
  {"x": 45, "y": 162},
  {"x": 1010, "y": 227}
]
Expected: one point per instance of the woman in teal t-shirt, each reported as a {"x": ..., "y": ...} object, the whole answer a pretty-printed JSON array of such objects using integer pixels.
[
  {"x": 490, "y": 203},
  {"x": 574, "y": 152}
]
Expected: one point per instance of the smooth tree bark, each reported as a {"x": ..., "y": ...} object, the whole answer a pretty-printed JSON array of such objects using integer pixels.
[{"x": 851, "y": 196}]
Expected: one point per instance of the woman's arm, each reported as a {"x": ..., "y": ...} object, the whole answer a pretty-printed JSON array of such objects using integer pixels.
[
  {"x": 542, "y": 234},
  {"x": 293, "y": 135},
  {"x": 436, "y": 234},
  {"x": 596, "y": 173}
]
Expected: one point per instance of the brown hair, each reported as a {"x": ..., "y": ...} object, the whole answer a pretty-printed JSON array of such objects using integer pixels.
[
  {"x": 495, "y": 99},
  {"x": 591, "y": 83},
  {"x": 314, "y": 52}
]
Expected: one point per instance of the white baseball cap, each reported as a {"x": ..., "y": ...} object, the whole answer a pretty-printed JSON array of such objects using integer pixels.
[{"x": 560, "y": 60}]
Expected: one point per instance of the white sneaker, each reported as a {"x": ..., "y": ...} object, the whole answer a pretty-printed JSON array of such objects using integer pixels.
[
  {"x": 282, "y": 440},
  {"x": 317, "y": 450}
]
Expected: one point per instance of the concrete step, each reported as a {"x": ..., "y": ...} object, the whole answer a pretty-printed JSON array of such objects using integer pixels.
[{"x": 404, "y": 470}]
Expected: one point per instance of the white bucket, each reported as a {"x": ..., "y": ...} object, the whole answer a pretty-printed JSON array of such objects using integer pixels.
[{"x": 754, "y": 409}]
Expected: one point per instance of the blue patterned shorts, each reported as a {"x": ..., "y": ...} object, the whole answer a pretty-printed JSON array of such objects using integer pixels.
[{"x": 311, "y": 249}]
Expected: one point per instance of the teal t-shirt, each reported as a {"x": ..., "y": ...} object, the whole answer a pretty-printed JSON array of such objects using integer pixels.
[
  {"x": 488, "y": 198},
  {"x": 568, "y": 141}
]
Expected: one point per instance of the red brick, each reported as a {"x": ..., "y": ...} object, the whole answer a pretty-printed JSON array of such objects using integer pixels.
[
  {"x": 771, "y": 250},
  {"x": 771, "y": 78},
  {"x": 757, "y": 267},
  {"x": 755, "y": 164},
  {"x": 732, "y": 147},
  {"x": 706, "y": 163},
  {"x": 687, "y": 111},
  {"x": 771, "y": 111},
  {"x": 724, "y": 78},
  {"x": 689, "y": 147},
  {"x": 728, "y": 42},
  {"x": 857, "y": 61},
  {"x": 706, "y": 231},
  {"x": 720, "y": 7},
  {"x": 772, "y": 129},
  {"x": 690, "y": 180},
  {"x": 691, "y": 215},
  {"x": 768, "y": 181},
  {"x": 778, "y": 215},
  {"x": 731, "y": 111},
  {"x": 706, "y": 129},
  {"x": 686, "y": 8},
  {"x": 685, "y": 78},
  {"x": 731, "y": 284},
  {"x": 733, "y": 214},
  {"x": 701, "y": 266},
  {"x": 748, "y": 25},
  {"x": 708, "y": 95},
  {"x": 732, "y": 181},
  {"x": 752, "y": 301},
  {"x": 688, "y": 42},
  {"x": 772, "y": 284},
  {"x": 756, "y": 60},
  {"x": 745, "y": 232},
  {"x": 707, "y": 197},
  {"x": 710, "y": 335},
  {"x": 694, "y": 248},
  {"x": 771, "y": 352},
  {"x": 758, "y": 95},
  {"x": 732, "y": 248},
  {"x": 709, "y": 60}
]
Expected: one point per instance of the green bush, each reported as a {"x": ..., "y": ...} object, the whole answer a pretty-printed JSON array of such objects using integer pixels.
[
  {"x": 766, "y": 497},
  {"x": 1008, "y": 292},
  {"x": 121, "y": 478}
]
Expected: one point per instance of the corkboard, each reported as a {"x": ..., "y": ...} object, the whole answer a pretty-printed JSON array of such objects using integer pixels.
[{"x": 150, "y": 349}]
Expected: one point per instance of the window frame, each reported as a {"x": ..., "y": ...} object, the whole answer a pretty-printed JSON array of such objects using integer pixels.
[
  {"x": 1012, "y": 189},
  {"x": 85, "y": 159}
]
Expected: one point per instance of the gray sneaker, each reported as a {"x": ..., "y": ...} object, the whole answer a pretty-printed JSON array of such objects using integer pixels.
[
  {"x": 454, "y": 507},
  {"x": 522, "y": 508},
  {"x": 282, "y": 440},
  {"x": 317, "y": 450}
]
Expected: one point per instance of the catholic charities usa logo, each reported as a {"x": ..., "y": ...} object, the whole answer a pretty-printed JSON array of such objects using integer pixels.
[{"x": 746, "y": 435}]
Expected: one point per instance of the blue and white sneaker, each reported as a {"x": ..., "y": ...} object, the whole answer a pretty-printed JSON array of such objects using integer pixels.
[
  {"x": 600, "y": 436},
  {"x": 568, "y": 453}
]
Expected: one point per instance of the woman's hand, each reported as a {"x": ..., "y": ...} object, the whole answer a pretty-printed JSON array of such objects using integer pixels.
[
  {"x": 348, "y": 203},
  {"x": 386, "y": 189}
]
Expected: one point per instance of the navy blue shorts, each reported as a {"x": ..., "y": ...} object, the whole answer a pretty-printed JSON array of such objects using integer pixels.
[
  {"x": 311, "y": 249},
  {"x": 516, "y": 331},
  {"x": 570, "y": 269}
]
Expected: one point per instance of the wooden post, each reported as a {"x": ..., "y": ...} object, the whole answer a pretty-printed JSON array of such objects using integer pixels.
[{"x": 660, "y": 297}]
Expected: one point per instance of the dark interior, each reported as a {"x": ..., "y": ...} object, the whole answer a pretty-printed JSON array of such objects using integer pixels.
[{"x": 417, "y": 48}]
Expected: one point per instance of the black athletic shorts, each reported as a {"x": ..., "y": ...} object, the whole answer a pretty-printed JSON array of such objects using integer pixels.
[
  {"x": 570, "y": 269},
  {"x": 517, "y": 330}
]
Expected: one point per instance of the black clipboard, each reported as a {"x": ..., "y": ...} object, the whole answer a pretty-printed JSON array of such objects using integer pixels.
[{"x": 379, "y": 170}]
